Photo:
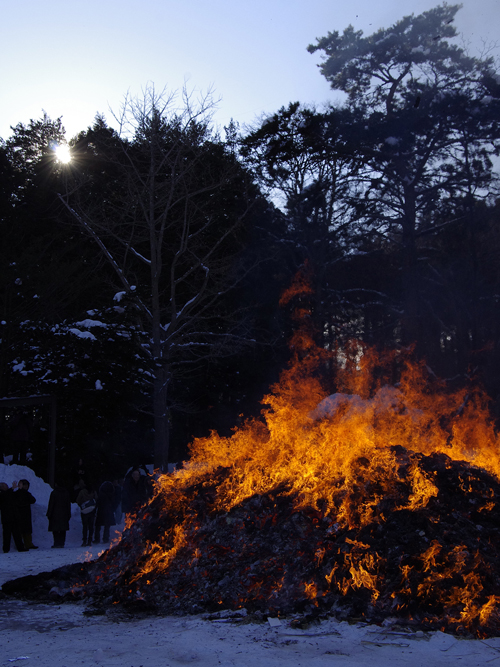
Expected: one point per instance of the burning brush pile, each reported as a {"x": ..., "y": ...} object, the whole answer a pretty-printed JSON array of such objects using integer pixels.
[{"x": 380, "y": 501}]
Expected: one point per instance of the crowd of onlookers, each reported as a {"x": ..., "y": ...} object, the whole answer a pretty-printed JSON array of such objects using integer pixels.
[{"x": 101, "y": 507}]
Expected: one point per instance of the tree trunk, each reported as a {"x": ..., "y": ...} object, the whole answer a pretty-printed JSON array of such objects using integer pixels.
[
  {"x": 161, "y": 419},
  {"x": 410, "y": 324},
  {"x": 162, "y": 375}
]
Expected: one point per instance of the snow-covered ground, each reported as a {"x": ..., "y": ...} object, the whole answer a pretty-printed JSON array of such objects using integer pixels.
[{"x": 63, "y": 636}]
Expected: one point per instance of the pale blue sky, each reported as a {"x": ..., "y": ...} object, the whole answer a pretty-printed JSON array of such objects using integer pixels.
[{"x": 74, "y": 58}]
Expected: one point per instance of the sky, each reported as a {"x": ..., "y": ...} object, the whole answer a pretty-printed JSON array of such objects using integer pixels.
[
  {"x": 79, "y": 58},
  {"x": 63, "y": 635}
]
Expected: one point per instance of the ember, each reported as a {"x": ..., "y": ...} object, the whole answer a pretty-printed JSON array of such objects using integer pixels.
[{"x": 376, "y": 502}]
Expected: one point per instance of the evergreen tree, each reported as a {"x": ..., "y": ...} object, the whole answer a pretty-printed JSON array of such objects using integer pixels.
[
  {"x": 427, "y": 128},
  {"x": 61, "y": 333}
]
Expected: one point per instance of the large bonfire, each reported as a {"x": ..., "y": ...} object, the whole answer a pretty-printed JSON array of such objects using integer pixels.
[{"x": 376, "y": 502}]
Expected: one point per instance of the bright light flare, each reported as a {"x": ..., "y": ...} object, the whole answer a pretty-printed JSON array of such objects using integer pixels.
[{"x": 63, "y": 154}]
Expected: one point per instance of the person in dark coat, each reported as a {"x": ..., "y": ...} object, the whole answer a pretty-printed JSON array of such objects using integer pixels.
[
  {"x": 10, "y": 518},
  {"x": 59, "y": 514},
  {"x": 136, "y": 491},
  {"x": 105, "y": 512},
  {"x": 79, "y": 474},
  {"x": 87, "y": 501},
  {"x": 117, "y": 501},
  {"x": 24, "y": 500}
]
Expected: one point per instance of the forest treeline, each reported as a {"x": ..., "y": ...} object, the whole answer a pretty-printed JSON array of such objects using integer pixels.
[{"x": 140, "y": 281}]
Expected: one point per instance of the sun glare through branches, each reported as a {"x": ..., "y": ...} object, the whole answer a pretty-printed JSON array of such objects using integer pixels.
[{"x": 63, "y": 153}]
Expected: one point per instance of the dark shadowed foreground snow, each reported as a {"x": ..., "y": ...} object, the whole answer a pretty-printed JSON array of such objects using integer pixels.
[{"x": 53, "y": 635}]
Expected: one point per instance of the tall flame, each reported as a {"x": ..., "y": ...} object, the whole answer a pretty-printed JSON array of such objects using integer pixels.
[
  {"x": 321, "y": 447},
  {"x": 348, "y": 463}
]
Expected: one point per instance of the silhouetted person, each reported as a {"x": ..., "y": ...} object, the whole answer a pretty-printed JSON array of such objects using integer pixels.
[
  {"x": 24, "y": 500},
  {"x": 79, "y": 473},
  {"x": 105, "y": 512},
  {"x": 10, "y": 518},
  {"x": 136, "y": 491},
  {"x": 117, "y": 500},
  {"x": 87, "y": 501},
  {"x": 59, "y": 514}
]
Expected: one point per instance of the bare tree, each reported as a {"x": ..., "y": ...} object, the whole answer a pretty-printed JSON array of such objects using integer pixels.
[{"x": 168, "y": 221}]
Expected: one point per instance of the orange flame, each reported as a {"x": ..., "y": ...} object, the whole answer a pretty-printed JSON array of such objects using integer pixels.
[
  {"x": 339, "y": 457},
  {"x": 315, "y": 444}
]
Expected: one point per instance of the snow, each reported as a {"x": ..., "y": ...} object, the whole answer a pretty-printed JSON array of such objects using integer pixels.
[
  {"x": 20, "y": 368},
  {"x": 88, "y": 323},
  {"x": 62, "y": 635},
  {"x": 83, "y": 334}
]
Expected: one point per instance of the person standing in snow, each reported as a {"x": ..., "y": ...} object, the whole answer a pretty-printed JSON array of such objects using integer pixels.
[
  {"x": 10, "y": 519},
  {"x": 136, "y": 491},
  {"x": 79, "y": 474},
  {"x": 24, "y": 501},
  {"x": 117, "y": 501},
  {"x": 59, "y": 514},
  {"x": 105, "y": 512},
  {"x": 87, "y": 501}
]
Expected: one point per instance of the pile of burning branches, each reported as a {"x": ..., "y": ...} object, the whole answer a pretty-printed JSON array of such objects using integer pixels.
[{"x": 377, "y": 502}]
